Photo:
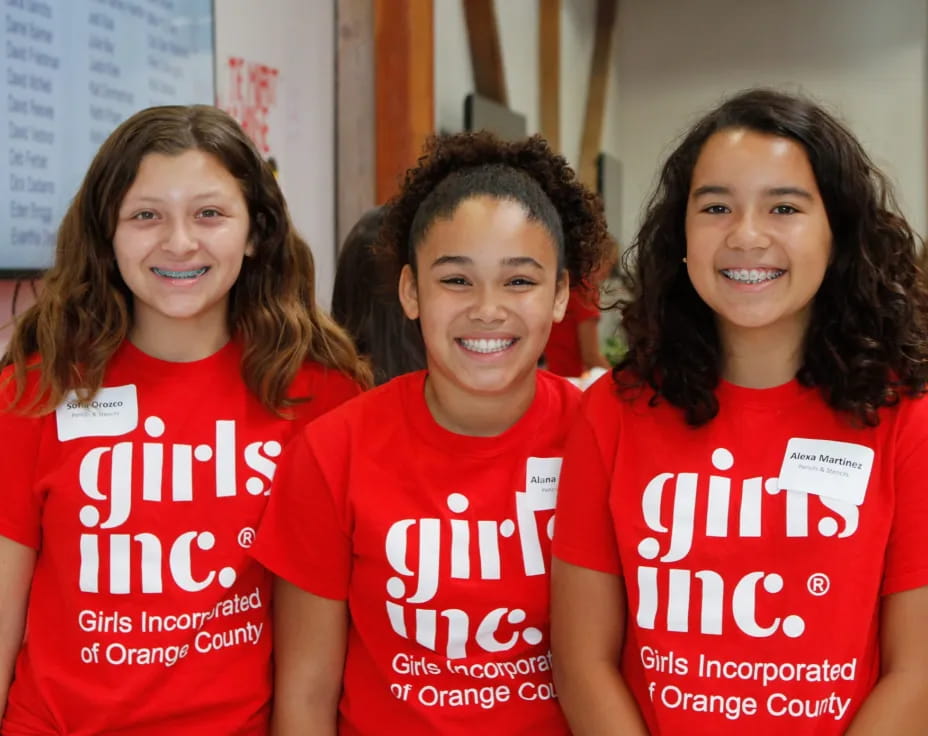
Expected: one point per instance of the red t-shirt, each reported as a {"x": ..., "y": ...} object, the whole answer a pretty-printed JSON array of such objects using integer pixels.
[
  {"x": 440, "y": 544},
  {"x": 562, "y": 353},
  {"x": 147, "y": 616},
  {"x": 751, "y": 609}
]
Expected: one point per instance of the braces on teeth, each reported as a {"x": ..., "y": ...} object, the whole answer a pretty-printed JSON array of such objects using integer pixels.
[
  {"x": 752, "y": 275},
  {"x": 180, "y": 274}
]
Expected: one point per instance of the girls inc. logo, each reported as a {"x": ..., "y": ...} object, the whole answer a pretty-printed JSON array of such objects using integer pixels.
[
  {"x": 445, "y": 548},
  {"x": 727, "y": 514},
  {"x": 108, "y": 476}
]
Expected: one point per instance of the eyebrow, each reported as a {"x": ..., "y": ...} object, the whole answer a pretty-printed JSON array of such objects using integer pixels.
[
  {"x": 519, "y": 261},
  {"x": 211, "y": 194},
  {"x": 515, "y": 261},
  {"x": 772, "y": 192}
]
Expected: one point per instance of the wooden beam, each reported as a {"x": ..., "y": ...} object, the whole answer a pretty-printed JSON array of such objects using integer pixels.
[
  {"x": 549, "y": 70},
  {"x": 486, "y": 56},
  {"x": 355, "y": 113},
  {"x": 405, "y": 87},
  {"x": 591, "y": 140}
]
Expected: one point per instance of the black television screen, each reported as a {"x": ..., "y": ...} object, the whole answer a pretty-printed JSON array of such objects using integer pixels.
[
  {"x": 609, "y": 187},
  {"x": 75, "y": 69},
  {"x": 481, "y": 113}
]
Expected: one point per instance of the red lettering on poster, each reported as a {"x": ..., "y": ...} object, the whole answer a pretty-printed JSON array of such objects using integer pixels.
[{"x": 250, "y": 96}]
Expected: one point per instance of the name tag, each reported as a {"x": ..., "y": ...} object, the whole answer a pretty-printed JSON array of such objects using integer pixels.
[
  {"x": 839, "y": 470},
  {"x": 113, "y": 411},
  {"x": 542, "y": 474}
]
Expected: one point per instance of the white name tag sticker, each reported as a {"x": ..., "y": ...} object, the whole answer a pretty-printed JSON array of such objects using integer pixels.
[
  {"x": 113, "y": 411},
  {"x": 839, "y": 470},
  {"x": 542, "y": 474}
]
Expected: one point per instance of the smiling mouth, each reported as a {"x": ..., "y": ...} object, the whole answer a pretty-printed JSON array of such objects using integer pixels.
[
  {"x": 495, "y": 345},
  {"x": 752, "y": 275},
  {"x": 191, "y": 274}
]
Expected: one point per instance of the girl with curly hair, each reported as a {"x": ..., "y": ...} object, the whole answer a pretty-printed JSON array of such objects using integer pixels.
[
  {"x": 411, "y": 529},
  {"x": 174, "y": 348},
  {"x": 743, "y": 512}
]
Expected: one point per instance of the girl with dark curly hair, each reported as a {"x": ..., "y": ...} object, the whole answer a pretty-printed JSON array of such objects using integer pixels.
[
  {"x": 743, "y": 513},
  {"x": 174, "y": 348},
  {"x": 411, "y": 531}
]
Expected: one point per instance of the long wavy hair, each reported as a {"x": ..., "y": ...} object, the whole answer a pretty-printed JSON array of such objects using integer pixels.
[
  {"x": 456, "y": 167},
  {"x": 365, "y": 302},
  {"x": 84, "y": 309},
  {"x": 867, "y": 341}
]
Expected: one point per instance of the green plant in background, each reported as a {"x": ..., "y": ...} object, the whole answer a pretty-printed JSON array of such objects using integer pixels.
[{"x": 614, "y": 349}]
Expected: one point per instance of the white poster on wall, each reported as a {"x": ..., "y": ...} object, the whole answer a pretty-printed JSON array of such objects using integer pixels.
[{"x": 275, "y": 73}]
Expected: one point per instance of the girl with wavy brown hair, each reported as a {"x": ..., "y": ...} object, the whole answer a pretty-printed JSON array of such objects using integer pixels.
[
  {"x": 173, "y": 350},
  {"x": 741, "y": 543}
]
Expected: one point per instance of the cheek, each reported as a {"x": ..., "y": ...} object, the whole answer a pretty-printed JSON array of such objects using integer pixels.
[
  {"x": 698, "y": 245},
  {"x": 120, "y": 254}
]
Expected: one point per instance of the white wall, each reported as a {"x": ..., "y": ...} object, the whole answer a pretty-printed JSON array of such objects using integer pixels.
[
  {"x": 672, "y": 61},
  {"x": 296, "y": 37},
  {"x": 864, "y": 60},
  {"x": 517, "y": 22}
]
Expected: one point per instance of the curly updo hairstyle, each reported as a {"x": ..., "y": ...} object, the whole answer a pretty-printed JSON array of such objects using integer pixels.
[{"x": 458, "y": 167}]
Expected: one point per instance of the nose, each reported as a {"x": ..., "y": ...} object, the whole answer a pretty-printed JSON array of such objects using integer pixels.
[
  {"x": 179, "y": 239},
  {"x": 748, "y": 232},
  {"x": 488, "y": 306}
]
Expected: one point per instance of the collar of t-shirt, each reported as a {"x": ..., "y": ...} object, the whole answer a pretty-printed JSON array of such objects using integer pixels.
[{"x": 428, "y": 430}]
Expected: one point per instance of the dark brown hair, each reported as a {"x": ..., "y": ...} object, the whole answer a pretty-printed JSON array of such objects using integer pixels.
[
  {"x": 366, "y": 304},
  {"x": 867, "y": 341}
]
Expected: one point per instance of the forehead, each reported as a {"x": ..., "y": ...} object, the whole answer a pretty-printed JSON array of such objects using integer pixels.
[
  {"x": 486, "y": 226},
  {"x": 739, "y": 155},
  {"x": 190, "y": 169}
]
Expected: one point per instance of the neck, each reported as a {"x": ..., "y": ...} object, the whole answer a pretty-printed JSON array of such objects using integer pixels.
[
  {"x": 472, "y": 415},
  {"x": 761, "y": 358},
  {"x": 177, "y": 340}
]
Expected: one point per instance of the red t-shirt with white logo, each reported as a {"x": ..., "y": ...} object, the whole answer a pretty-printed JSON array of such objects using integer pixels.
[
  {"x": 754, "y": 550},
  {"x": 562, "y": 353},
  {"x": 147, "y": 616},
  {"x": 440, "y": 544}
]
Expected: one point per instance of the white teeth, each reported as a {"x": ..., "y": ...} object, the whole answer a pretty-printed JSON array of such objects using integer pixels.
[
  {"x": 487, "y": 346},
  {"x": 751, "y": 275},
  {"x": 180, "y": 274}
]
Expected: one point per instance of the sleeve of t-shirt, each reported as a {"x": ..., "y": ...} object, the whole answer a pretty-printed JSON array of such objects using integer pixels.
[
  {"x": 584, "y": 533},
  {"x": 20, "y": 503},
  {"x": 302, "y": 537},
  {"x": 907, "y": 551},
  {"x": 582, "y": 306}
]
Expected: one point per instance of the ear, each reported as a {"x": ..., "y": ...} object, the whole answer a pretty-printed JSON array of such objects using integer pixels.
[
  {"x": 409, "y": 292},
  {"x": 249, "y": 249},
  {"x": 561, "y": 295}
]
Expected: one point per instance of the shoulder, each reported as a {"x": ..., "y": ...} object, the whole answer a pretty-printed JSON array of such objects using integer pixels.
[
  {"x": 560, "y": 392},
  {"x": 377, "y": 406},
  {"x": 325, "y": 388},
  {"x": 13, "y": 397},
  {"x": 911, "y": 423},
  {"x": 617, "y": 398}
]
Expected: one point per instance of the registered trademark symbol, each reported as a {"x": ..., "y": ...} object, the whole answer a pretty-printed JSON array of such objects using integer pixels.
[
  {"x": 818, "y": 584},
  {"x": 246, "y": 537}
]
